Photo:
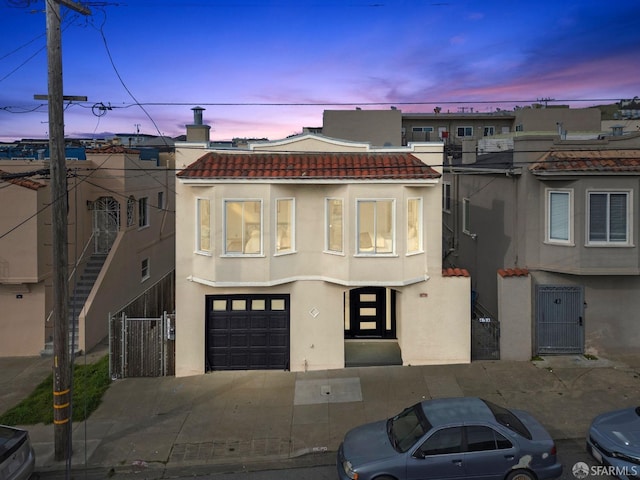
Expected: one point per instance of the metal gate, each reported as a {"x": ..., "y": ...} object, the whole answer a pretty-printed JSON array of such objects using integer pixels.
[
  {"x": 141, "y": 347},
  {"x": 559, "y": 319},
  {"x": 485, "y": 338}
]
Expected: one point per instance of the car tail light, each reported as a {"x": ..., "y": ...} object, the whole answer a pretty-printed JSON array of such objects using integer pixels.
[{"x": 554, "y": 450}]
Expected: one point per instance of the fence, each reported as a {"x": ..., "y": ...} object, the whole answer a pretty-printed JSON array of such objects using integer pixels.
[{"x": 141, "y": 347}]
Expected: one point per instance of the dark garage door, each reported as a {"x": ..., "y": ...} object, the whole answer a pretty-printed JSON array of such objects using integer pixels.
[{"x": 247, "y": 332}]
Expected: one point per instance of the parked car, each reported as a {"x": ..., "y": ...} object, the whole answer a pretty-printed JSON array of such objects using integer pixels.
[
  {"x": 17, "y": 459},
  {"x": 614, "y": 441},
  {"x": 450, "y": 438}
]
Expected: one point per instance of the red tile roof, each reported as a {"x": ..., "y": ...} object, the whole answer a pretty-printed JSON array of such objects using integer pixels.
[
  {"x": 513, "y": 272},
  {"x": 21, "y": 181},
  {"x": 455, "y": 272},
  {"x": 351, "y": 165},
  {"x": 588, "y": 161},
  {"x": 113, "y": 149}
]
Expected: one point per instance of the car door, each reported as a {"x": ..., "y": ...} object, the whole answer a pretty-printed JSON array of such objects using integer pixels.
[
  {"x": 440, "y": 456},
  {"x": 489, "y": 455}
]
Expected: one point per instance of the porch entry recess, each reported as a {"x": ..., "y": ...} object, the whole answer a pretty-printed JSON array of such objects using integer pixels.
[
  {"x": 106, "y": 223},
  {"x": 372, "y": 313},
  {"x": 559, "y": 319}
]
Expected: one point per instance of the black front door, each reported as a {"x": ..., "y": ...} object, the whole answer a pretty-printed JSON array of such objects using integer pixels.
[{"x": 369, "y": 316}]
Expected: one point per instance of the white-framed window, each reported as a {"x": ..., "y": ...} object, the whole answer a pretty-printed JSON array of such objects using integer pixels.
[
  {"x": 203, "y": 225},
  {"x": 559, "y": 213},
  {"x": 488, "y": 131},
  {"x": 446, "y": 197},
  {"x": 243, "y": 227},
  {"x": 145, "y": 269},
  {"x": 464, "y": 131},
  {"x": 334, "y": 225},
  {"x": 466, "y": 216},
  {"x": 143, "y": 212},
  {"x": 519, "y": 128},
  {"x": 414, "y": 225},
  {"x": 285, "y": 224},
  {"x": 375, "y": 232},
  {"x": 422, "y": 129},
  {"x": 131, "y": 210},
  {"x": 609, "y": 218}
]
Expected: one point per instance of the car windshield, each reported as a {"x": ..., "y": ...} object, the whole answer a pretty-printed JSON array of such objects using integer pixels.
[
  {"x": 508, "y": 419},
  {"x": 406, "y": 428}
]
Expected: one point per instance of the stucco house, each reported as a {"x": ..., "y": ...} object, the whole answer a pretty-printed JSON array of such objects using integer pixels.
[
  {"x": 289, "y": 249},
  {"x": 549, "y": 231},
  {"x": 121, "y": 243}
]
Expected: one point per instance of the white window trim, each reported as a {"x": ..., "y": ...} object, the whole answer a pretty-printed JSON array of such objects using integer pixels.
[
  {"x": 608, "y": 243},
  {"x": 446, "y": 186},
  {"x": 198, "y": 250},
  {"x": 326, "y": 226},
  {"x": 393, "y": 226},
  {"x": 547, "y": 221},
  {"x": 292, "y": 248},
  {"x": 420, "y": 248},
  {"x": 147, "y": 223},
  {"x": 225, "y": 253},
  {"x": 466, "y": 204}
]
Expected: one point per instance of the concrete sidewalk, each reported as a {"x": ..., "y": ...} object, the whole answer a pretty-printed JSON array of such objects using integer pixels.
[{"x": 225, "y": 419}]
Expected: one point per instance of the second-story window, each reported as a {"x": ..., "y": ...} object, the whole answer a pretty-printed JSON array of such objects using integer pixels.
[
  {"x": 143, "y": 212},
  {"x": 285, "y": 225},
  {"x": 203, "y": 234},
  {"x": 559, "y": 205},
  {"x": 446, "y": 197},
  {"x": 243, "y": 227},
  {"x": 608, "y": 221},
  {"x": 414, "y": 225},
  {"x": 334, "y": 225},
  {"x": 131, "y": 210},
  {"x": 466, "y": 220},
  {"x": 375, "y": 227},
  {"x": 464, "y": 131}
]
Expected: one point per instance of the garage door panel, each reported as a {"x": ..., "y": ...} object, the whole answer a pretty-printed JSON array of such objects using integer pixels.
[{"x": 242, "y": 339}]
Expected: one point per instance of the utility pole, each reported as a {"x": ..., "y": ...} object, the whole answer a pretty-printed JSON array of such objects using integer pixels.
[{"x": 61, "y": 365}]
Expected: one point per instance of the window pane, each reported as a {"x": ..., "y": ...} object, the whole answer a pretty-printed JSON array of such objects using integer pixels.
[
  {"x": 480, "y": 438},
  {"x": 413, "y": 225},
  {"x": 559, "y": 216},
  {"x": 447, "y": 440},
  {"x": 204, "y": 222},
  {"x": 238, "y": 305},
  {"x": 334, "y": 225},
  {"x": 243, "y": 227},
  {"x": 618, "y": 217},
  {"x": 285, "y": 225},
  {"x": 219, "y": 305},
  {"x": 465, "y": 215},
  {"x": 258, "y": 304},
  {"x": 375, "y": 226},
  {"x": 277, "y": 304}
]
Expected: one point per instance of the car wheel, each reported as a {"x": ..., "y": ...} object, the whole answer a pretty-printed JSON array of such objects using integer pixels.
[
  {"x": 521, "y": 475},
  {"x": 384, "y": 477}
]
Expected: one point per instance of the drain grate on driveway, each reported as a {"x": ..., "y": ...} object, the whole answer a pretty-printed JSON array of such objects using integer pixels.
[{"x": 333, "y": 390}]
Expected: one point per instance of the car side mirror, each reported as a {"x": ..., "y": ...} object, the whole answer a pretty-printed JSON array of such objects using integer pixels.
[{"x": 419, "y": 454}]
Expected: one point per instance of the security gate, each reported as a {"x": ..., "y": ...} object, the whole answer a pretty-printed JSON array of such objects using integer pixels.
[
  {"x": 485, "y": 338},
  {"x": 559, "y": 319},
  {"x": 106, "y": 223}
]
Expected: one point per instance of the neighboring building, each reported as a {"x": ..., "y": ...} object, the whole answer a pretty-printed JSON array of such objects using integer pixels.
[
  {"x": 121, "y": 221},
  {"x": 549, "y": 233},
  {"x": 393, "y": 127},
  {"x": 289, "y": 249}
]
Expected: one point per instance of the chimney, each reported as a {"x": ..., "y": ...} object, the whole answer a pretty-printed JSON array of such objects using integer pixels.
[{"x": 198, "y": 132}]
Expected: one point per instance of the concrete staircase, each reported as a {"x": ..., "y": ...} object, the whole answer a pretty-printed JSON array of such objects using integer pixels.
[{"x": 77, "y": 299}]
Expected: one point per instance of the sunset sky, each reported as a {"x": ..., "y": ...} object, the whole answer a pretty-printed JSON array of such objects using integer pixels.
[{"x": 268, "y": 68}]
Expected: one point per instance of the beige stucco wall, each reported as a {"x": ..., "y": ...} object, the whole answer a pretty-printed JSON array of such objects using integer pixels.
[
  {"x": 380, "y": 127},
  {"x": 21, "y": 326}
]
